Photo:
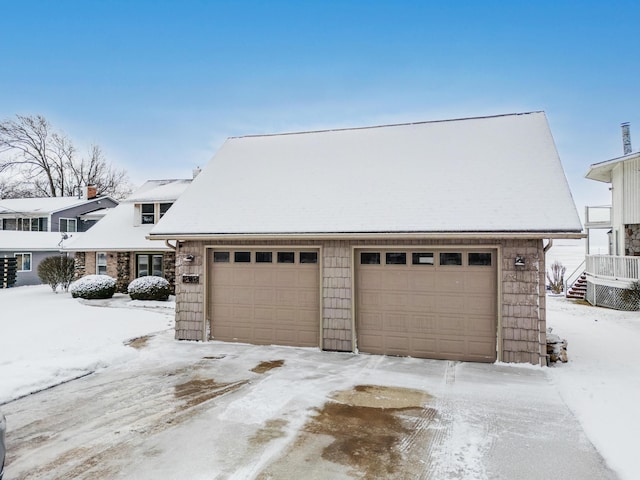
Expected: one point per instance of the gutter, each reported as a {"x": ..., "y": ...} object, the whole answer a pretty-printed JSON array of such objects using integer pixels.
[{"x": 367, "y": 236}]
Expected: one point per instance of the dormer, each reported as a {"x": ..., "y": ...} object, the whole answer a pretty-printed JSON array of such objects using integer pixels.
[{"x": 150, "y": 213}]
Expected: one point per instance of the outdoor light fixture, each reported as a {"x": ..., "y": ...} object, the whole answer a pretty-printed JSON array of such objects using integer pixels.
[
  {"x": 519, "y": 261},
  {"x": 188, "y": 258}
]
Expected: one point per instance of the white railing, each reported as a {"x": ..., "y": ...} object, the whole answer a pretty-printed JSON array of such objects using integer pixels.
[
  {"x": 613, "y": 266},
  {"x": 598, "y": 216}
]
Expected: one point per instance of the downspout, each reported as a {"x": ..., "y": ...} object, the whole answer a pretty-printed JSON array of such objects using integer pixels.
[
  {"x": 172, "y": 247},
  {"x": 544, "y": 356}
]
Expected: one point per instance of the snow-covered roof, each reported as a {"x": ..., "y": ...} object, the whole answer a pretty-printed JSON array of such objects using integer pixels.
[
  {"x": 117, "y": 232},
  {"x": 34, "y": 241},
  {"x": 601, "y": 171},
  {"x": 487, "y": 174},
  {"x": 39, "y": 205},
  {"x": 159, "y": 190}
]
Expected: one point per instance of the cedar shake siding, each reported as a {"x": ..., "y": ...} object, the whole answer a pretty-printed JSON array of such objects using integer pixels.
[{"x": 521, "y": 332}]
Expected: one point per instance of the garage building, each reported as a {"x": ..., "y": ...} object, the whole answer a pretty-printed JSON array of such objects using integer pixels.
[{"x": 424, "y": 239}]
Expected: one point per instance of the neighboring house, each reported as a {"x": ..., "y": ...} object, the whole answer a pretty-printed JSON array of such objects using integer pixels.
[
  {"x": 30, "y": 249},
  {"x": 423, "y": 239},
  {"x": 34, "y": 228},
  {"x": 608, "y": 276},
  {"x": 53, "y": 214},
  {"x": 117, "y": 246}
]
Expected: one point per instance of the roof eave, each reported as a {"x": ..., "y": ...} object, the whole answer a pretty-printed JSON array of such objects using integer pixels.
[{"x": 556, "y": 234}]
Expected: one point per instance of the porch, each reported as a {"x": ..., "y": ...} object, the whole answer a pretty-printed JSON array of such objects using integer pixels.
[{"x": 610, "y": 279}]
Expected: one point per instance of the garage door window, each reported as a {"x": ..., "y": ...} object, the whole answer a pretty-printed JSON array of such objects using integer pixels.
[
  {"x": 221, "y": 257},
  {"x": 479, "y": 259},
  {"x": 396, "y": 258},
  {"x": 264, "y": 257},
  {"x": 422, "y": 258},
  {"x": 370, "y": 258},
  {"x": 286, "y": 257},
  {"x": 242, "y": 257},
  {"x": 450, "y": 258},
  {"x": 308, "y": 257}
]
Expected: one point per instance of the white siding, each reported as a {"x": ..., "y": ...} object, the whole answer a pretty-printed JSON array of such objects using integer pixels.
[{"x": 631, "y": 192}]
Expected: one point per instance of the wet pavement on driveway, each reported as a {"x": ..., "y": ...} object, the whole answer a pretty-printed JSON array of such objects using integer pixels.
[{"x": 186, "y": 410}]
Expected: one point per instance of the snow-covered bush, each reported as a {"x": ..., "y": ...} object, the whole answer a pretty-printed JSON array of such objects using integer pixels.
[
  {"x": 149, "y": 288},
  {"x": 93, "y": 286},
  {"x": 57, "y": 270}
]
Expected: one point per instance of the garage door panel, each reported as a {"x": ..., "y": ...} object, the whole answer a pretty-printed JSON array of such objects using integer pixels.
[
  {"x": 421, "y": 301},
  {"x": 422, "y": 324},
  {"x": 395, "y": 281},
  {"x": 264, "y": 296},
  {"x": 371, "y": 320},
  {"x": 243, "y": 295},
  {"x": 242, "y": 276},
  {"x": 370, "y": 278},
  {"x": 421, "y": 278},
  {"x": 395, "y": 323},
  {"x": 371, "y": 343},
  {"x": 265, "y": 303},
  {"x": 450, "y": 303},
  {"x": 222, "y": 295},
  {"x": 447, "y": 312},
  {"x": 264, "y": 314},
  {"x": 308, "y": 298},
  {"x": 394, "y": 299},
  {"x": 479, "y": 303},
  {"x": 370, "y": 299},
  {"x": 451, "y": 281},
  {"x": 263, "y": 277},
  {"x": 307, "y": 276}
]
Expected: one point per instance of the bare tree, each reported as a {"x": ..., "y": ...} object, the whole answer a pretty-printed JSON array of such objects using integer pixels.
[{"x": 48, "y": 162}]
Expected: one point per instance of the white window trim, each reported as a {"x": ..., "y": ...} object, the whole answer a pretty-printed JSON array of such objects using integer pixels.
[
  {"x": 22, "y": 262},
  {"x": 75, "y": 221},
  {"x": 98, "y": 265}
]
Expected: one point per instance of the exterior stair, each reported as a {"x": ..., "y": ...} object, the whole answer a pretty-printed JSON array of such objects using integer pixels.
[{"x": 579, "y": 288}]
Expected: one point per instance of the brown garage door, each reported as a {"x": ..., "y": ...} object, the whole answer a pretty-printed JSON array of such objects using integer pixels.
[
  {"x": 427, "y": 303},
  {"x": 265, "y": 297}
]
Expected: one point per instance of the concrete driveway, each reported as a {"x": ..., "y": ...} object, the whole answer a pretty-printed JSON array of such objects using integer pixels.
[{"x": 187, "y": 410}]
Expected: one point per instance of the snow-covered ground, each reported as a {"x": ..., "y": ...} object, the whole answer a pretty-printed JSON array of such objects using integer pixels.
[{"x": 48, "y": 338}]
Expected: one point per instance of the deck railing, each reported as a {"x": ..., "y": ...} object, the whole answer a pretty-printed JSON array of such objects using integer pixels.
[
  {"x": 613, "y": 266},
  {"x": 597, "y": 216}
]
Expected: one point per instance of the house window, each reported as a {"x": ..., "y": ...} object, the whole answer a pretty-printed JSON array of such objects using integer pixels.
[
  {"x": 221, "y": 257},
  {"x": 164, "y": 207},
  {"x": 68, "y": 225},
  {"x": 286, "y": 257},
  {"x": 480, "y": 259},
  {"x": 422, "y": 258},
  {"x": 101, "y": 263},
  {"x": 149, "y": 264},
  {"x": 9, "y": 224},
  {"x": 242, "y": 257},
  {"x": 24, "y": 261},
  {"x": 264, "y": 257},
  {"x": 370, "y": 258},
  {"x": 308, "y": 257},
  {"x": 148, "y": 213},
  {"x": 450, "y": 258},
  {"x": 396, "y": 258}
]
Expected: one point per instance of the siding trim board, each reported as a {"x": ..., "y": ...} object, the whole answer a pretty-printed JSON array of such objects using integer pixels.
[{"x": 520, "y": 290}]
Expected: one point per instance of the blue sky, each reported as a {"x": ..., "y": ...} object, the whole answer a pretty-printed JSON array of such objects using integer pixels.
[{"x": 160, "y": 84}]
